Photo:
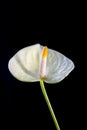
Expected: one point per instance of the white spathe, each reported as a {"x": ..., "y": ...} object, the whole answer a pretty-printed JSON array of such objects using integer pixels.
[{"x": 25, "y": 65}]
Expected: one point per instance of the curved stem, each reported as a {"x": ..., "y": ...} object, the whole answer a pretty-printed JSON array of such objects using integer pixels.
[{"x": 49, "y": 104}]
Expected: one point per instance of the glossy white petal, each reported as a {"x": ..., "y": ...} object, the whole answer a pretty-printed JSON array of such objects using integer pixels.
[
  {"x": 25, "y": 64},
  {"x": 58, "y": 66}
]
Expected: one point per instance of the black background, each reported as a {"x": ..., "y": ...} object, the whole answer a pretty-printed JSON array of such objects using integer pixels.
[{"x": 58, "y": 26}]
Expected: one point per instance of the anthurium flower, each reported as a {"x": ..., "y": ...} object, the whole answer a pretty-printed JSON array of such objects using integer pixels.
[{"x": 37, "y": 62}]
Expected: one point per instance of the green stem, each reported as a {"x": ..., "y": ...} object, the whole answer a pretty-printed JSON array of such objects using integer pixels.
[{"x": 49, "y": 104}]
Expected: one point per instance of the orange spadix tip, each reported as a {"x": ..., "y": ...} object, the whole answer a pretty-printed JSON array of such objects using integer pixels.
[{"x": 45, "y": 52}]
